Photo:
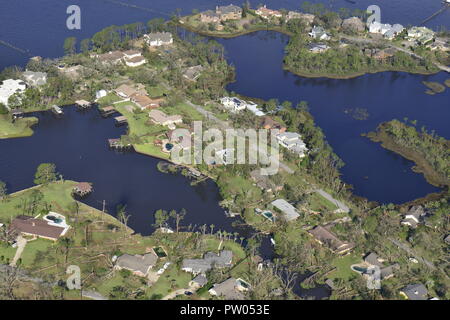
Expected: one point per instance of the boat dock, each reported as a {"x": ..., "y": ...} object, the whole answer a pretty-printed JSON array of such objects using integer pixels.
[
  {"x": 120, "y": 120},
  {"x": 83, "y": 104},
  {"x": 107, "y": 111},
  {"x": 441, "y": 10},
  {"x": 57, "y": 110},
  {"x": 117, "y": 144}
]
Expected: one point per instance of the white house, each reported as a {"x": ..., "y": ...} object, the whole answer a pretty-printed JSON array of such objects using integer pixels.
[
  {"x": 234, "y": 104},
  {"x": 414, "y": 216},
  {"x": 253, "y": 107},
  {"x": 35, "y": 79},
  {"x": 100, "y": 94},
  {"x": 319, "y": 33},
  {"x": 377, "y": 27},
  {"x": 10, "y": 87},
  {"x": 293, "y": 142},
  {"x": 135, "y": 61},
  {"x": 156, "y": 39}
]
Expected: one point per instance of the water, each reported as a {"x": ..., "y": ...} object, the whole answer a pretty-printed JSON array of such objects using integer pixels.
[
  {"x": 374, "y": 172},
  {"x": 77, "y": 144}
]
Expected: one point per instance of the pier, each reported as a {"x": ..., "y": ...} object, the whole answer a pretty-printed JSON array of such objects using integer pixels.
[
  {"x": 120, "y": 120},
  {"x": 107, "y": 111},
  {"x": 117, "y": 144},
  {"x": 83, "y": 104},
  {"x": 9, "y": 45}
]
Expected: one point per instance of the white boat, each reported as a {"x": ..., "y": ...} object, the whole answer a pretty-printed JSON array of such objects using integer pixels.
[
  {"x": 57, "y": 110},
  {"x": 273, "y": 241}
]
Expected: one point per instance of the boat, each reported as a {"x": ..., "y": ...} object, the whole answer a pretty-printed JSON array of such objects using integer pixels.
[
  {"x": 273, "y": 241},
  {"x": 57, "y": 110}
]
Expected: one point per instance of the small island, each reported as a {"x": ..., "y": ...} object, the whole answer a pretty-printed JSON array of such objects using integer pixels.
[{"x": 429, "y": 152}]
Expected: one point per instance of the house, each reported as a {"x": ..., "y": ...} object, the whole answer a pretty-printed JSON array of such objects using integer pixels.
[
  {"x": 156, "y": 39},
  {"x": 307, "y": 18},
  {"x": 415, "y": 292},
  {"x": 130, "y": 54},
  {"x": 421, "y": 35},
  {"x": 441, "y": 44},
  {"x": 289, "y": 212},
  {"x": 34, "y": 227},
  {"x": 318, "y": 32},
  {"x": 233, "y": 104},
  {"x": 143, "y": 101},
  {"x": 414, "y": 216},
  {"x": 210, "y": 260},
  {"x": 318, "y": 47},
  {"x": 328, "y": 238},
  {"x": 199, "y": 281},
  {"x": 192, "y": 73},
  {"x": 135, "y": 62},
  {"x": 447, "y": 239},
  {"x": 210, "y": 16},
  {"x": 140, "y": 265},
  {"x": 100, "y": 94},
  {"x": 35, "y": 79},
  {"x": 9, "y": 87},
  {"x": 125, "y": 91},
  {"x": 263, "y": 182},
  {"x": 266, "y": 13},
  {"x": 353, "y": 24},
  {"x": 161, "y": 118},
  {"x": 373, "y": 260},
  {"x": 253, "y": 108},
  {"x": 268, "y": 123},
  {"x": 230, "y": 12},
  {"x": 388, "y": 272},
  {"x": 293, "y": 142},
  {"x": 112, "y": 57},
  {"x": 228, "y": 289},
  {"x": 381, "y": 28}
]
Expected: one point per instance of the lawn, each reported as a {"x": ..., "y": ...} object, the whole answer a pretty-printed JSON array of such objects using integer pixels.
[
  {"x": 20, "y": 128},
  {"x": 156, "y": 91},
  {"x": 31, "y": 250},
  {"x": 342, "y": 265},
  {"x": 318, "y": 203},
  {"x": 172, "y": 279}
]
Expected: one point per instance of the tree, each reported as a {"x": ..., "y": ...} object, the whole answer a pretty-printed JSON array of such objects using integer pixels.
[
  {"x": 3, "y": 190},
  {"x": 161, "y": 217},
  {"x": 178, "y": 216},
  {"x": 65, "y": 243},
  {"x": 45, "y": 173},
  {"x": 69, "y": 45},
  {"x": 122, "y": 216}
]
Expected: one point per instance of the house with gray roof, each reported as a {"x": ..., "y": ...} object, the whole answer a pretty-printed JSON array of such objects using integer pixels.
[
  {"x": 156, "y": 39},
  {"x": 227, "y": 289},
  {"x": 318, "y": 32},
  {"x": 199, "y": 281},
  {"x": 210, "y": 260},
  {"x": 35, "y": 79},
  {"x": 373, "y": 259},
  {"x": 288, "y": 211},
  {"x": 415, "y": 292},
  {"x": 414, "y": 216},
  {"x": 230, "y": 12},
  {"x": 140, "y": 265}
]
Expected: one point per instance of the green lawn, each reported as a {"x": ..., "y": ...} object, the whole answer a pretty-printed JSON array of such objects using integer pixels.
[
  {"x": 31, "y": 250},
  {"x": 172, "y": 279},
  {"x": 342, "y": 265},
  {"x": 108, "y": 99},
  {"x": 156, "y": 92},
  {"x": 20, "y": 128}
]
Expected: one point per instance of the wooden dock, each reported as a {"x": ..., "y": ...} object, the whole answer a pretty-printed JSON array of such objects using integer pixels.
[
  {"x": 107, "y": 111},
  {"x": 120, "y": 120},
  {"x": 441, "y": 10},
  {"x": 83, "y": 104}
]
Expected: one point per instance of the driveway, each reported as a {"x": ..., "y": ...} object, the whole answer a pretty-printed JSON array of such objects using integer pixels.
[{"x": 21, "y": 243}]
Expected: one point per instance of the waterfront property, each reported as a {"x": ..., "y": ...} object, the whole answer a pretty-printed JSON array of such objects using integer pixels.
[
  {"x": 192, "y": 73},
  {"x": 82, "y": 189},
  {"x": 319, "y": 33},
  {"x": 83, "y": 104},
  {"x": 156, "y": 39},
  {"x": 267, "y": 13},
  {"x": 35, "y": 79},
  {"x": 306, "y": 18},
  {"x": 139, "y": 265},
  {"x": 233, "y": 104},
  {"x": 269, "y": 123},
  {"x": 159, "y": 117},
  {"x": 10, "y": 87},
  {"x": 120, "y": 120},
  {"x": 210, "y": 260},
  {"x": 230, "y": 12},
  {"x": 293, "y": 142},
  {"x": 414, "y": 216},
  {"x": 421, "y": 35},
  {"x": 30, "y": 226},
  {"x": 228, "y": 289},
  {"x": 107, "y": 111}
]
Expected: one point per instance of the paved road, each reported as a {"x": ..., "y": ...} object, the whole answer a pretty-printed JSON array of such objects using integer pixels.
[
  {"x": 410, "y": 251},
  {"x": 341, "y": 206},
  {"x": 93, "y": 295},
  {"x": 21, "y": 243},
  {"x": 178, "y": 292}
]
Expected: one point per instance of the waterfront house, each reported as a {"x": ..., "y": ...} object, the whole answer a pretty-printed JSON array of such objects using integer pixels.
[
  {"x": 156, "y": 39},
  {"x": 10, "y": 87},
  {"x": 421, "y": 35},
  {"x": 353, "y": 24},
  {"x": 228, "y": 289},
  {"x": 73, "y": 72},
  {"x": 293, "y": 142},
  {"x": 253, "y": 108},
  {"x": 209, "y": 16},
  {"x": 441, "y": 44},
  {"x": 161, "y": 118},
  {"x": 414, "y": 216},
  {"x": 328, "y": 238},
  {"x": 289, "y": 212},
  {"x": 100, "y": 94},
  {"x": 318, "y": 32},
  {"x": 318, "y": 47},
  {"x": 130, "y": 54},
  {"x": 135, "y": 62},
  {"x": 210, "y": 260},
  {"x": 267, "y": 13},
  {"x": 230, "y": 12},
  {"x": 268, "y": 123},
  {"x": 233, "y": 104},
  {"x": 35, "y": 79},
  {"x": 139, "y": 265},
  {"x": 380, "y": 28},
  {"x": 144, "y": 102},
  {"x": 306, "y": 18},
  {"x": 192, "y": 73},
  {"x": 126, "y": 91},
  {"x": 415, "y": 292},
  {"x": 30, "y": 226}
]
